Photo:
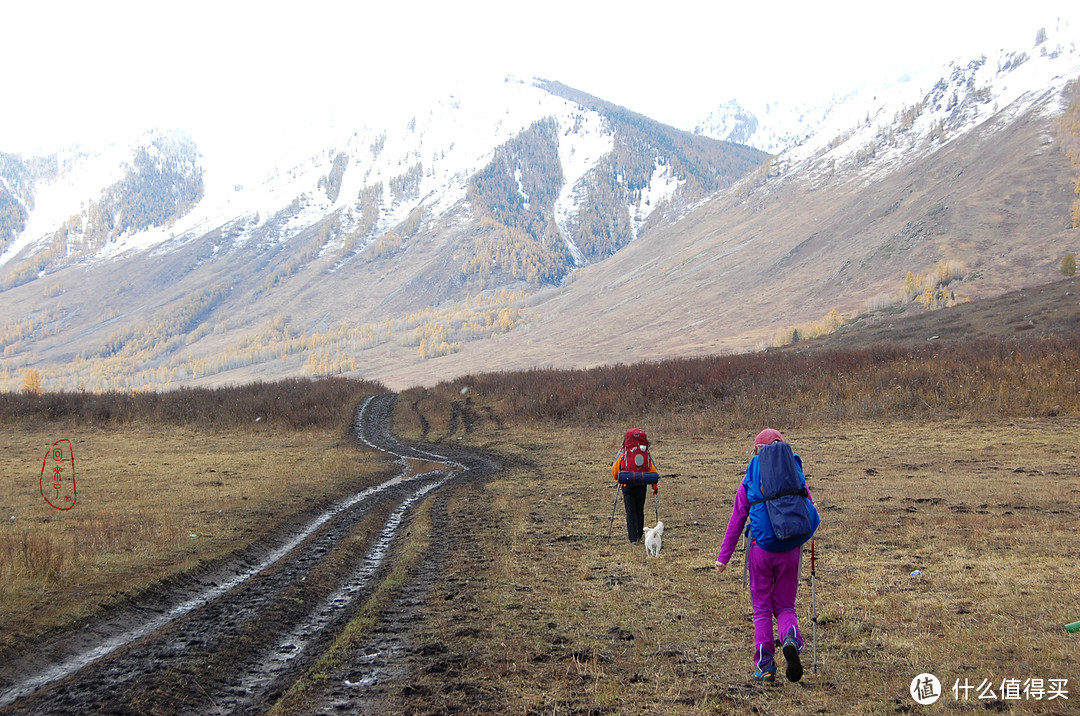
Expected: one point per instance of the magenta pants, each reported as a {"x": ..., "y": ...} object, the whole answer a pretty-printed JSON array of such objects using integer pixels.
[{"x": 774, "y": 582}]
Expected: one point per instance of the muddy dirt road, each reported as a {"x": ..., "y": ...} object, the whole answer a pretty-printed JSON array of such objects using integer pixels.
[{"x": 231, "y": 639}]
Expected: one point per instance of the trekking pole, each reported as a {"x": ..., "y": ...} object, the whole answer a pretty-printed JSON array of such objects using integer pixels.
[
  {"x": 613, "y": 504},
  {"x": 746, "y": 561},
  {"x": 813, "y": 601},
  {"x": 746, "y": 556},
  {"x": 656, "y": 501}
]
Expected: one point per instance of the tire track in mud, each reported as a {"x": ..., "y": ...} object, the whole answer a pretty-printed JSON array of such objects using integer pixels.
[{"x": 232, "y": 639}]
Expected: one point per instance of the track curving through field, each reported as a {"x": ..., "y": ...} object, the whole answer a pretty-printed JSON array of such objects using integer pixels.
[{"x": 230, "y": 640}]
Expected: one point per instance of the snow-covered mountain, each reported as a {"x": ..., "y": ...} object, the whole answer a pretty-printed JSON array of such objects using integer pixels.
[
  {"x": 79, "y": 206},
  {"x": 512, "y": 187},
  {"x": 875, "y": 132},
  {"x": 995, "y": 77},
  {"x": 528, "y": 224},
  {"x": 772, "y": 127}
]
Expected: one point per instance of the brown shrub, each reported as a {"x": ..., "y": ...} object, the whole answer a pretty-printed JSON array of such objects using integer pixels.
[
  {"x": 294, "y": 403},
  {"x": 977, "y": 380}
]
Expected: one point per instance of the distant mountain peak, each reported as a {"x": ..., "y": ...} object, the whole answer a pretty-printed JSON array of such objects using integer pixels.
[{"x": 772, "y": 127}]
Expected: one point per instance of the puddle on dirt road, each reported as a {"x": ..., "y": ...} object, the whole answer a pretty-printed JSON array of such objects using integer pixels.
[{"x": 280, "y": 658}]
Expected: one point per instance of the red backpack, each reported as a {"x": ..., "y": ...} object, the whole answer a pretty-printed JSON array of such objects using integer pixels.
[
  {"x": 635, "y": 451},
  {"x": 635, "y": 466}
]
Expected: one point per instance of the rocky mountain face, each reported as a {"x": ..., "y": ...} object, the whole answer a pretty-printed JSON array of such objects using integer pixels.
[{"x": 532, "y": 224}]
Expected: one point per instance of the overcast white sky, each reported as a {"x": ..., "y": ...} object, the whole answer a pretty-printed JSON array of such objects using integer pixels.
[{"x": 88, "y": 71}]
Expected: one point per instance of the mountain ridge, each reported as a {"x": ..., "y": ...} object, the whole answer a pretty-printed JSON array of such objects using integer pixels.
[
  {"x": 314, "y": 189},
  {"x": 415, "y": 254}
]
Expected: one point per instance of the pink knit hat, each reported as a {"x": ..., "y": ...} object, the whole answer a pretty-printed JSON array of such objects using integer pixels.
[{"x": 766, "y": 436}]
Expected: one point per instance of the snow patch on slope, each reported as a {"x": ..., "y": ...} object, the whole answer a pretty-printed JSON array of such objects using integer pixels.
[
  {"x": 80, "y": 179},
  {"x": 584, "y": 140},
  {"x": 804, "y": 128},
  {"x": 662, "y": 186}
]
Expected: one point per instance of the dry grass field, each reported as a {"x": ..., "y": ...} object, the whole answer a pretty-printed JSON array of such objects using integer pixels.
[
  {"x": 543, "y": 613},
  {"x": 956, "y": 460},
  {"x": 151, "y": 504},
  {"x": 154, "y": 499}
]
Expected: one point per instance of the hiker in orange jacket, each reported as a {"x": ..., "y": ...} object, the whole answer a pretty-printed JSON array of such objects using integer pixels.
[{"x": 634, "y": 457}]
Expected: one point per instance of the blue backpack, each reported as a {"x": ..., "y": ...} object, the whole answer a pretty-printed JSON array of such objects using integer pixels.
[{"x": 782, "y": 517}]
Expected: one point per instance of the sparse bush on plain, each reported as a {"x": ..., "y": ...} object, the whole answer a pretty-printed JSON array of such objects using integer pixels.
[{"x": 156, "y": 498}]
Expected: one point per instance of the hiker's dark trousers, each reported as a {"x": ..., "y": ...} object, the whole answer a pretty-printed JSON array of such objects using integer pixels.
[{"x": 634, "y": 501}]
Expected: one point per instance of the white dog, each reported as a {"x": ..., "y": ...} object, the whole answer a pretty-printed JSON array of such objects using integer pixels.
[{"x": 652, "y": 539}]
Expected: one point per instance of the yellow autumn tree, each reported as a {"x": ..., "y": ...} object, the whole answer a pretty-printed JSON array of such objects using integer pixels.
[{"x": 32, "y": 382}]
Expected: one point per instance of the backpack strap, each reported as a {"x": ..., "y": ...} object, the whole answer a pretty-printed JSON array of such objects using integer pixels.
[{"x": 783, "y": 493}]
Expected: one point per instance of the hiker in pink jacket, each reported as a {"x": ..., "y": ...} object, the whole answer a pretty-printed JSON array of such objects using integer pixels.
[{"x": 774, "y": 577}]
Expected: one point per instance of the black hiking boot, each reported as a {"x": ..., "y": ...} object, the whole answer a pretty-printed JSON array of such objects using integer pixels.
[{"x": 791, "y": 656}]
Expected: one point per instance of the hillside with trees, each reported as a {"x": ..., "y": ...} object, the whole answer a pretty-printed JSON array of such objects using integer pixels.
[
  {"x": 707, "y": 165},
  {"x": 1068, "y": 131},
  {"x": 516, "y": 193},
  {"x": 15, "y": 194},
  {"x": 162, "y": 182},
  {"x": 701, "y": 165},
  {"x": 514, "y": 197}
]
